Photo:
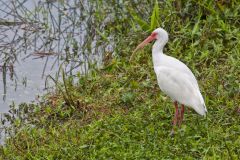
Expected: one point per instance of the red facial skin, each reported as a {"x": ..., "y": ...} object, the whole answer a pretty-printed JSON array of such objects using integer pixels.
[{"x": 152, "y": 37}]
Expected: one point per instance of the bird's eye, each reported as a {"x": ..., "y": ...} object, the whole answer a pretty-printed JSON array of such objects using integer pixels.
[{"x": 154, "y": 34}]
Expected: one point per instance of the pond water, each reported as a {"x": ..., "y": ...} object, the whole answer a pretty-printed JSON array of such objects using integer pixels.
[
  {"x": 30, "y": 72},
  {"x": 51, "y": 27},
  {"x": 28, "y": 84},
  {"x": 48, "y": 27},
  {"x": 28, "y": 81}
]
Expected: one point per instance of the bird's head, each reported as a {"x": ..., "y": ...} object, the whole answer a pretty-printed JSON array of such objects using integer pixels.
[
  {"x": 158, "y": 34},
  {"x": 161, "y": 34}
]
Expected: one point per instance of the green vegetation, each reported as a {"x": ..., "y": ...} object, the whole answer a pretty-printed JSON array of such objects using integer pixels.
[{"x": 118, "y": 111}]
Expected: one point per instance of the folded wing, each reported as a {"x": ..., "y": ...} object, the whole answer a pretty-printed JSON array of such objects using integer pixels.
[{"x": 180, "y": 87}]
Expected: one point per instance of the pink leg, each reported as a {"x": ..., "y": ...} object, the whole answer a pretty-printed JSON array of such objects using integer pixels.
[
  {"x": 181, "y": 116},
  {"x": 175, "y": 117}
]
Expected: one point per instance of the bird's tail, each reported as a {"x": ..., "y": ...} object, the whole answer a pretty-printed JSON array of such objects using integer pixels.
[{"x": 202, "y": 109}]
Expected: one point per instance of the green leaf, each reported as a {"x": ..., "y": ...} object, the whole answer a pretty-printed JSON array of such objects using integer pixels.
[
  {"x": 155, "y": 16},
  {"x": 144, "y": 25},
  {"x": 196, "y": 26},
  {"x": 128, "y": 97}
]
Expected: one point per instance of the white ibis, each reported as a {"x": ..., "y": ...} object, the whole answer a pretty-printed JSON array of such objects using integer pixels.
[{"x": 174, "y": 78}]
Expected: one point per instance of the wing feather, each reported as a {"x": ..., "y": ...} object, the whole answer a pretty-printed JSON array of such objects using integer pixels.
[{"x": 180, "y": 87}]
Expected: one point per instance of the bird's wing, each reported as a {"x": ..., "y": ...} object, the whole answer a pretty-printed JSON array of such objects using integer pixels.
[
  {"x": 174, "y": 63},
  {"x": 180, "y": 87}
]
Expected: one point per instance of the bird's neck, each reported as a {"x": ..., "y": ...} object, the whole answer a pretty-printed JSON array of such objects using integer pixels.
[{"x": 157, "y": 52}]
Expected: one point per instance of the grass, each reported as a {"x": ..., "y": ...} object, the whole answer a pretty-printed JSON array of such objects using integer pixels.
[{"x": 118, "y": 111}]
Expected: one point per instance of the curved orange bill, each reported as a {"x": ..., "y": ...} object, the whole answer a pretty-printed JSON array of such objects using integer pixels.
[{"x": 141, "y": 45}]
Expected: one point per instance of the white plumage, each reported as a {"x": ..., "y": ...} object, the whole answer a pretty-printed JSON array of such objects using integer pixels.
[
  {"x": 180, "y": 88},
  {"x": 174, "y": 78}
]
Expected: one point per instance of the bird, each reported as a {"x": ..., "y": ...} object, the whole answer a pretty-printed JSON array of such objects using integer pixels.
[{"x": 174, "y": 78}]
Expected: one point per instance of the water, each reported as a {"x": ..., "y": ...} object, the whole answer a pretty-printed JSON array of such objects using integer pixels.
[
  {"x": 28, "y": 84},
  {"x": 28, "y": 81},
  {"x": 55, "y": 27},
  {"x": 64, "y": 28}
]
